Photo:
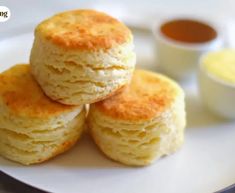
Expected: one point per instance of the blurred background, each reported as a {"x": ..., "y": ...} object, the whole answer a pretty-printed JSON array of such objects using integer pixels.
[
  {"x": 29, "y": 11},
  {"x": 139, "y": 15}
]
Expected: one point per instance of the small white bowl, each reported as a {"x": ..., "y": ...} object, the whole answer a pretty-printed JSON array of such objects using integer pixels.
[
  {"x": 180, "y": 59},
  {"x": 217, "y": 94}
]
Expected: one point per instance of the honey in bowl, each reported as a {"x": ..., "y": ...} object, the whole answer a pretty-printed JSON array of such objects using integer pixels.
[{"x": 188, "y": 31}]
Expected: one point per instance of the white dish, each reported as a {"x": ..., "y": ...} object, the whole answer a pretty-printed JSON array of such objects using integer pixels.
[
  {"x": 179, "y": 59},
  {"x": 204, "y": 164},
  {"x": 217, "y": 94}
]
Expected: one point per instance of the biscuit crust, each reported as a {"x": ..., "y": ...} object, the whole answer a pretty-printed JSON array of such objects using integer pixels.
[
  {"x": 148, "y": 95},
  {"x": 84, "y": 30},
  {"x": 20, "y": 92}
]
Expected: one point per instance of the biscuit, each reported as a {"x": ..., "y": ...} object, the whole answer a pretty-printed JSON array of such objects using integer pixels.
[
  {"x": 142, "y": 122},
  {"x": 33, "y": 128},
  {"x": 82, "y": 56}
]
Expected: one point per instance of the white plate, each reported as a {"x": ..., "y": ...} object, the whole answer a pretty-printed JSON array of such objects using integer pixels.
[{"x": 206, "y": 162}]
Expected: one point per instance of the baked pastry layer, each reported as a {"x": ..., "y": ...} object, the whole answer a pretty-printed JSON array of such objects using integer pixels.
[
  {"x": 142, "y": 122},
  {"x": 83, "y": 67},
  {"x": 33, "y": 128}
]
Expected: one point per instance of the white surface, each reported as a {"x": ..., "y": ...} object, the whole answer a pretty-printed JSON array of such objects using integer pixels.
[{"x": 204, "y": 164}]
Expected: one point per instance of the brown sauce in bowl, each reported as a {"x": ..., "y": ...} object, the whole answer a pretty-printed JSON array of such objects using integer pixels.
[{"x": 188, "y": 31}]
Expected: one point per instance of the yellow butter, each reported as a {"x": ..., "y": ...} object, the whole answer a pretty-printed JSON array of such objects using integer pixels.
[{"x": 221, "y": 64}]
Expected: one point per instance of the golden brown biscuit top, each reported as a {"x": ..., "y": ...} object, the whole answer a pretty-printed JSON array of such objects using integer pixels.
[
  {"x": 147, "y": 96},
  {"x": 22, "y": 95},
  {"x": 84, "y": 29}
]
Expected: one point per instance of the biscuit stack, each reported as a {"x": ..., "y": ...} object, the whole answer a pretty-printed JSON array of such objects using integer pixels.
[{"x": 86, "y": 57}]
